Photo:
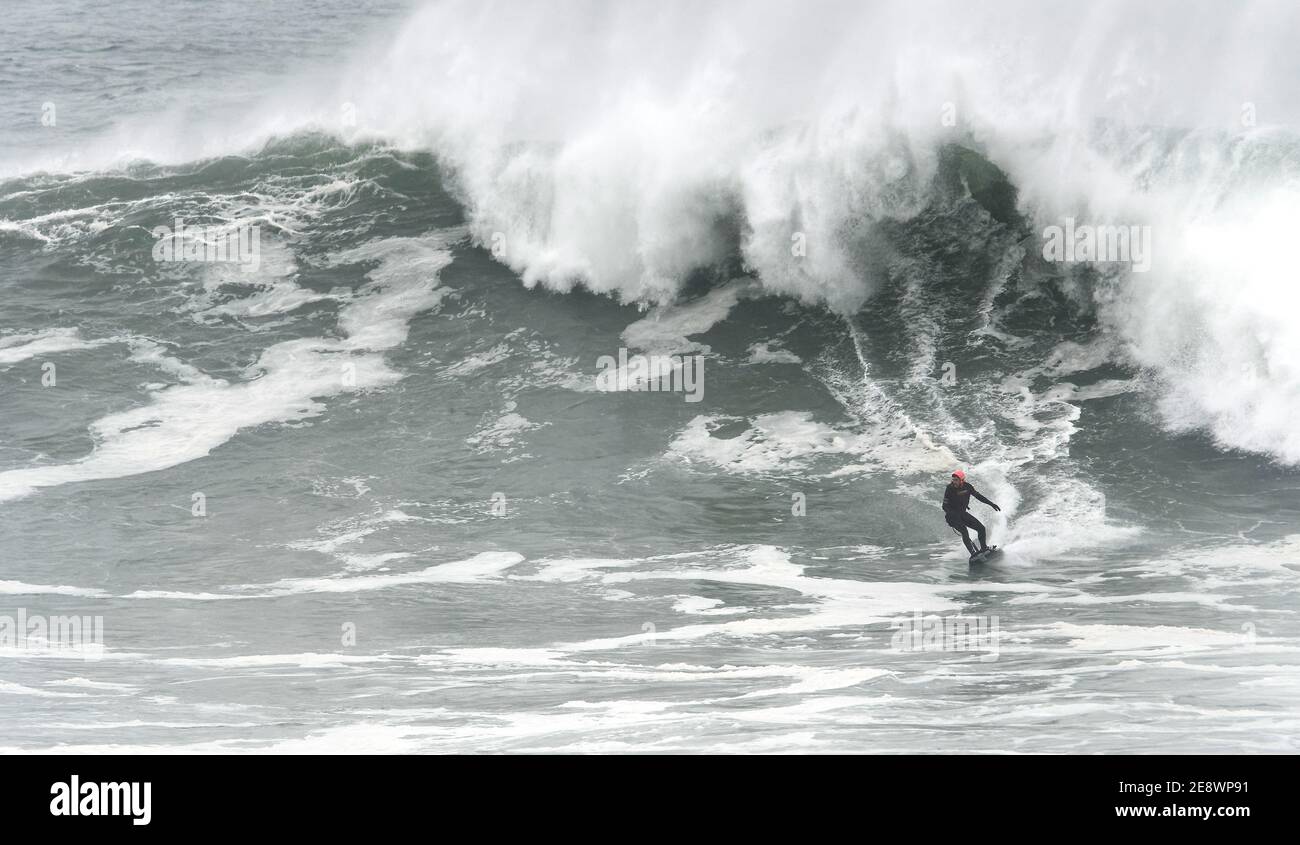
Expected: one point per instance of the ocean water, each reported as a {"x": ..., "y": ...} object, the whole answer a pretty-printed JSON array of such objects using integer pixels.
[{"x": 365, "y": 493}]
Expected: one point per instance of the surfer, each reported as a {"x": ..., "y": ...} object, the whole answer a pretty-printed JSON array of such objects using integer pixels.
[{"x": 956, "y": 500}]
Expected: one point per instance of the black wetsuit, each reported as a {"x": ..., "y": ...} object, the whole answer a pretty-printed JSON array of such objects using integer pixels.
[{"x": 955, "y": 502}]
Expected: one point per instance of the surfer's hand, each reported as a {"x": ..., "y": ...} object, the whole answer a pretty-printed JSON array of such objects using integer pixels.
[{"x": 998, "y": 509}]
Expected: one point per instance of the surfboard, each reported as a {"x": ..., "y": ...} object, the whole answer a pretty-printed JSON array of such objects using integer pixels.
[{"x": 982, "y": 557}]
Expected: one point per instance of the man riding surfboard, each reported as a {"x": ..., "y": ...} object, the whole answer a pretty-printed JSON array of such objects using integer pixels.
[{"x": 956, "y": 502}]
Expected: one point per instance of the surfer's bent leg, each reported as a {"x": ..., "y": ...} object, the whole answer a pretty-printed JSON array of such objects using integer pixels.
[
  {"x": 957, "y": 525},
  {"x": 979, "y": 529}
]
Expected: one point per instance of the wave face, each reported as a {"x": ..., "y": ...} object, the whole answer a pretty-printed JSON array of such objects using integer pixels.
[
  {"x": 844, "y": 208},
  {"x": 627, "y": 149},
  {"x": 636, "y": 145}
]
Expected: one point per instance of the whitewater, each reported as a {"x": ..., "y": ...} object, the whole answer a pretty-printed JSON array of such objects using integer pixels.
[{"x": 368, "y": 493}]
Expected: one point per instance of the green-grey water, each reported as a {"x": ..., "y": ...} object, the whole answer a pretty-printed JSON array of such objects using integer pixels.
[{"x": 368, "y": 495}]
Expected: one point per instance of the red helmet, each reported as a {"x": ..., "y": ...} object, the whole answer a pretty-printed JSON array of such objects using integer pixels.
[{"x": 959, "y": 475}]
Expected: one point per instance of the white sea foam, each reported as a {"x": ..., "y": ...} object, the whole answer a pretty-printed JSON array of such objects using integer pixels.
[
  {"x": 502, "y": 433},
  {"x": 481, "y": 568},
  {"x": 86, "y": 683},
  {"x": 790, "y": 441},
  {"x": 667, "y": 328},
  {"x": 770, "y": 352},
  {"x": 18, "y": 588},
  {"x": 187, "y": 421},
  {"x": 1114, "y": 639},
  {"x": 21, "y": 347},
  {"x": 10, "y": 688},
  {"x": 830, "y": 603}
]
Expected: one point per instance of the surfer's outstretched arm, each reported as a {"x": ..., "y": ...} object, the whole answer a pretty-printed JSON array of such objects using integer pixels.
[{"x": 977, "y": 495}]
